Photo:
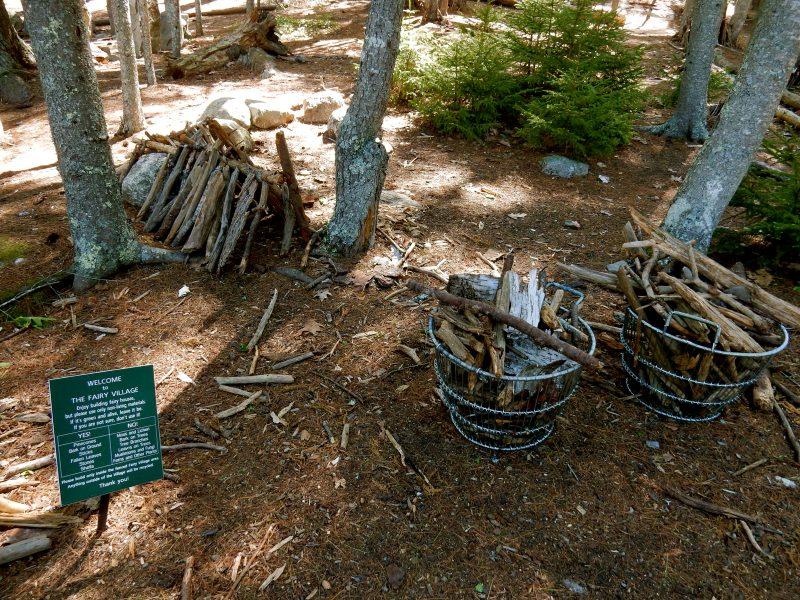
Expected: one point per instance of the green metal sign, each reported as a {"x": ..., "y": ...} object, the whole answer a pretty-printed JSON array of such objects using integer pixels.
[{"x": 105, "y": 428}]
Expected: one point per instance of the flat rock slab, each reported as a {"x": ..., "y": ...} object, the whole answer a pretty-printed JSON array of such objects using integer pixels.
[
  {"x": 561, "y": 166},
  {"x": 137, "y": 183},
  {"x": 229, "y": 109},
  {"x": 319, "y": 107}
]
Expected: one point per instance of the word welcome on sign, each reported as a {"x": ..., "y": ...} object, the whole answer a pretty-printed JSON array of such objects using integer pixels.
[{"x": 105, "y": 428}]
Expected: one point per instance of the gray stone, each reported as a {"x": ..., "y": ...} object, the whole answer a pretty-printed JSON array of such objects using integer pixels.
[
  {"x": 259, "y": 62},
  {"x": 395, "y": 198},
  {"x": 267, "y": 116},
  {"x": 15, "y": 91},
  {"x": 740, "y": 292},
  {"x": 561, "y": 166},
  {"x": 334, "y": 123},
  {"x": 319, "y": 107},
  {"x": 574, "y": 586},
  {"x": 137, "y": 183},
  {"x": 230, "y": 109}
]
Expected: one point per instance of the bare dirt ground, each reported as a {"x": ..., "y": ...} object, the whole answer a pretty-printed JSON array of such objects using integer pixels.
[{"x": 584, "y": 512}]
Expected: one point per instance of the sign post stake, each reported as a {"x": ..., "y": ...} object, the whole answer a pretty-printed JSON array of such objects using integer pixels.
[{"x": 102, "y": 514}]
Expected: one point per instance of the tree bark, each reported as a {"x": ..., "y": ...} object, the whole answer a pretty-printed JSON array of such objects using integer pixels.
[
  {"x": 682, "y": 35},
  {"x": 132, "y": 113},
  {"x": 198, "y": 17},
  {"x": 360, "y": 158},
  {"x": 172, "y": 14},
  {"x": 103, "y": 239},
  {"x": 431, "y": 12},
  {"x": 722, "y": 163},
  {"x": 147, "y": 42},
  {"x": 109, "y": 10},
  {"x": 16, "y": 64},
  {"x": 689, "y": 120}
]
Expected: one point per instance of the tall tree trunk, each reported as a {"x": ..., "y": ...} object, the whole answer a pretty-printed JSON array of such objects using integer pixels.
[
  {"x": 689, "y": 120},
  {"x": 360, "y": 158},
  {"x": 104, "y": 240},
  {"x": 198, "y": 18},
  {"x": 736, "y": 24},
  {"x": 723, "y": 162},
  {"x": 172, "y": 14},
  {"x": 16, "y": 64},
  {"x": 132, "y": 113},
  {"x": 249, "y": 6},
  {"x": 431, "y": 12},
  {"x": 109, "y": 10},
  {"x": 147, "y": 42},
  {"x": 682, "y": 35}
]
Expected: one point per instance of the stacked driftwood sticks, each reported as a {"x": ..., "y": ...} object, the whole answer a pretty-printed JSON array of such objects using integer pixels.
[
  {"x": 503, "y": 373},
  {"x": 703, "y": 333},
  {"x": 208, "y": 195}
]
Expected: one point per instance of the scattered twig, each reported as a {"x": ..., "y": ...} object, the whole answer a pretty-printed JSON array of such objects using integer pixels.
[
  {"x": 203, "y": 428},
  {"x": 293, "y": 360},
  {"x": 193, "y": 445},
  {"x": 263, "y": 323},
  {"x": 787, "y": 427},
  {"x": 31, "y": 465},
  {"x": 24, "y": 549},
  {"x": 100, "y": 329},
  {"x": 345, "y": 436},
  {"x": 328, "y": 432},
  {"x": 172, "y": 477},
  {"x": 405, "y": 460},
  {"x": 186, "y": 583},
  {"x": 238, "y": 391},
  {"x": 247, "y": 379},
  {"x": 752, "y": 539},
  {"x": 603, "y": 327},
  {"x": 165, "y": 376},
  {"x": 239, "y": 407},
  {"x": 431, "y": 271},
  {"x": 386, "y": 234},
  {"x": 171, "y": 310},
  {"x": 787, "y": 393},
  {"x": 12, "y": 484},
  {"x": 350, "y": 393},
  {"x": 708, "y": 507},
  {"x": 407, "y": 253},
  {"x": 311, "y": 241},
  {"x": 750, "y": 467}
]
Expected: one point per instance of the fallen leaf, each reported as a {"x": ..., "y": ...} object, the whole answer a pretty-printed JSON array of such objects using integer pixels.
[
  {"x": 305, "y": 435},
  {"x": 184, "y": 377},
  {"x": 311, "y": 327},
  {"x": 762, "y": 277},
  {"x": 272, "y": 577},
  {"x": 322, "y": 294},
  {"x": 338, "y": 483},
  {"x": 277, "y": 420},
  {"x": 360, "y": 279},
  {"x": 395, "y": 575}
]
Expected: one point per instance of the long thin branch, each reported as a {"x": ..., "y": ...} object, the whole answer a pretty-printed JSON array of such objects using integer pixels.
[{"x": 537, "y": 334}]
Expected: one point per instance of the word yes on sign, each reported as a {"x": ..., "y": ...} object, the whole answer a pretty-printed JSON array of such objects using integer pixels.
[{"x": 105, "y": 430}]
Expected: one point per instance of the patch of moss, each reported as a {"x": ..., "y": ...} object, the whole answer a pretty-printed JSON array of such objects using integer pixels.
[{"x": 11, "y": 249}]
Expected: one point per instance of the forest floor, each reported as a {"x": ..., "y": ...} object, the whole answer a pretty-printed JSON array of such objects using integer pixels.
[{"x": 584, "y": 513}]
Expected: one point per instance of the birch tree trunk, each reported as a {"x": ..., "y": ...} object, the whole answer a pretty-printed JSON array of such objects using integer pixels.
[
  {"x": 360, "y": 157},
  {"x": 132, "y": 113},
  {"x": 722, "y": 163},
  {"x": 198, "y": 17},
  {"x": 147, "y": 42},
  {"x": 172, "y": 14},
  {"x": 690, "y": 118},
  {"x": 102, "y": 237}
]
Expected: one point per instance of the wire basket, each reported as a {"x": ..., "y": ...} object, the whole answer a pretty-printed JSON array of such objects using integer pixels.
[
  {"x": 709, "y": 378},
  {"x": 517, "y": 411}
]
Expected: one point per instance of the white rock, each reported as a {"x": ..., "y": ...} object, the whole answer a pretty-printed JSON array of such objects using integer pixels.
[
  {"x": 266, "y": 116},
  {"x": 395, "y": 198},
  {"x": 231, "y": 109},
  {"x": 318, "y": 108},
  {"x": 334, "y": 123},
  {"x": 137, "y": 183}
]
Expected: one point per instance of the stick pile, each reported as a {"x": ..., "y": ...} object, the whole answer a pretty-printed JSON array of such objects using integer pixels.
[
  {"x": 208, "y": 195},
  {"x": 664, "y": 276}
]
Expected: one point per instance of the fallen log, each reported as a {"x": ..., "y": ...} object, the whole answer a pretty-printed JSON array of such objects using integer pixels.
[
  {"x": 24, "y": 549},
  {"x": 539, "y": 336},
  {"x": 258, "y": 31}
]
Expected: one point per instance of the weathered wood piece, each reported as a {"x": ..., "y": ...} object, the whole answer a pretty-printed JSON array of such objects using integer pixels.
[
  {"x": 24, "y": 549},
  {"x": 163, "y": 224},
  {"x": 31, "y": 465},
  {"x": 607, "y": 280},
  {"x": 207, "y": 211},
  {"x": 186, "y": 218},
  {"x": 162, "y": 172},
  {"x": 262, "y": 324},
  {"x": 295, "y": 198},
  {"x": 714, "y": 509},
  {"x": 537, "y": 334},
  {"x": 288, "y": 220},
  {"x": 258, "y": 212},
  {"x": 247, "y": 379},
  {"x": 239, "y": 219},
  {"x": 762, "y": 301},
  {"x": 225, "y": 219}
]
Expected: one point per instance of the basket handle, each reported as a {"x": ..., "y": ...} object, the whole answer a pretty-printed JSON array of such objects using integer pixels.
[
  {"x": 569, "y": 290},
  {"x": 677, "y": 313}
]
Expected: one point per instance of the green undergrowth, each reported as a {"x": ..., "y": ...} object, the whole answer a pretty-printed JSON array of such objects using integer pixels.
[
  {"x": 770, "y": 200},
  {"x": 306, "y": 27},
  {"x": 559, "y": 75}
]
